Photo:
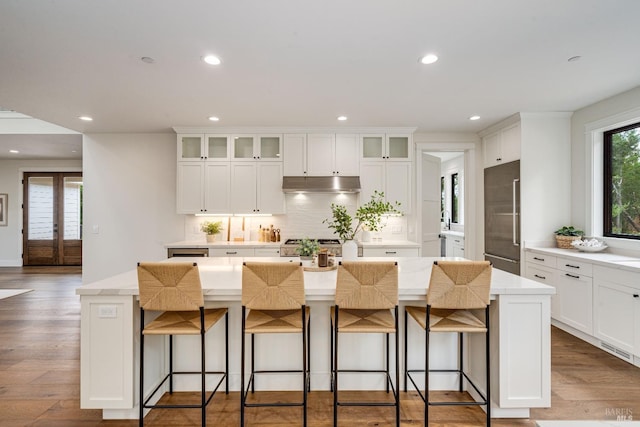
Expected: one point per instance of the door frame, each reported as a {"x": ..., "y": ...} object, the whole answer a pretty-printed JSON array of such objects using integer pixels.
[
  {"x": 21, "y": 201},
  {"x": 473, "y": 191}
]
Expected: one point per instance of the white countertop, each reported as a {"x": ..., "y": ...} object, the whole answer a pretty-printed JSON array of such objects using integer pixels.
[
  {"x": 452, "y": 233},
  {"x": 604, "y": 258},
  {"x": 256, "y": 244},
  {"x": 222, "y": 279}
]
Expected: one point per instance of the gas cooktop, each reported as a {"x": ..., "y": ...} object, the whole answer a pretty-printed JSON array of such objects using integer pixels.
[{"x": 320, "y": 241}]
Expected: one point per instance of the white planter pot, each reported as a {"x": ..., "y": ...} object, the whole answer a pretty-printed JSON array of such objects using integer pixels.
[
  {"x": 211, "y": 238},
  {"x": 349, "y": 250}
]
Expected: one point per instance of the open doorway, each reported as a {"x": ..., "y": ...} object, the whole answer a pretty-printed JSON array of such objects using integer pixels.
[
  {"x": 442, "y": 183},
  {"x": 52, "y": 218}
]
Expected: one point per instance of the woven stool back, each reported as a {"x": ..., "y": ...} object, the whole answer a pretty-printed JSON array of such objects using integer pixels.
[
  {"x": 459, "y": 284},
  {"x": 367, "y": 285},
  {"x": 169, "y": 286},
  {"x": 272, "y": 285}
]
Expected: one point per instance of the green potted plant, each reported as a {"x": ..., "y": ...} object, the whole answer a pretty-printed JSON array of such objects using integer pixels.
[
  {"x": 308, "y": 248},
  {"x": 368, "y": 216},
  {"x": 567, "y": 234},
  {"x": 211, "y": 228}
]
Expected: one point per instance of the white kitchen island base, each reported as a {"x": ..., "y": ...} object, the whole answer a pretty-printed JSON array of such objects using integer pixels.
[{"x": 520, "y": 340}]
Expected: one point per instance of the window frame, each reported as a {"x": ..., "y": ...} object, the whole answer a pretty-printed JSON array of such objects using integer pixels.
[{"x": 607, "y": 138}]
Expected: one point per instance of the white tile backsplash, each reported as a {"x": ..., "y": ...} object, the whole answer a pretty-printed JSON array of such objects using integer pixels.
[{"x": 305, "y": 213}]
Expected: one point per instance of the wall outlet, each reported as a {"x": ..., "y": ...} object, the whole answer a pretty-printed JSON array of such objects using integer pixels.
[
  {"x": 95, "y": 229},
  {"x": 107, "y": 312},
  {"x": 396, "y": 229}
]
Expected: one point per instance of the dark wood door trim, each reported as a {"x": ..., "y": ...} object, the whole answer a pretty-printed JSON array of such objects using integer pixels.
[{"x": 56, "y": 251}]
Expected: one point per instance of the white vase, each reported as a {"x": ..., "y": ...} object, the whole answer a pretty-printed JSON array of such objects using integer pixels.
[
  {"x": 211, "y": 238},
  {"x": 366, "y": 236},
  {"x": 349, "y": 250}
]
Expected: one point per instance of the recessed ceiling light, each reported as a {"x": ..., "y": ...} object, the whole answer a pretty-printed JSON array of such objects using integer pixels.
[
  {"x": 147, "y": 60},
  {"x": 474, "y": 118},
  {"x": 212, "y": 60},
  {"x": 574, "y": 58},
  {"x": 86, "y": 118},
  {"x": 14, "y": 151},
  {"x": 429, "y": 59},
  {"x": 214, "y": 118},
  {"x": 342, "y": 118}
]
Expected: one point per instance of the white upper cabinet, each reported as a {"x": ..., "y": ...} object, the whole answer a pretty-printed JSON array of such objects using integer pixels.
[
  {"x": 203, "y": 187},
  {"x": 295, "y": 154},
  {"x": 389, "y": 147},
  {"x": 256, "y": 147},
  {"x": 256, "y": 188},
  {"x": 346, "y": 159},
  {"x": 502, "y": 146},
  {"x": 393, "y": 179},
  {"x": 321, "y": 154},
  {"x": 332, "y": 154},
  {"x": 203, "y": 147}
]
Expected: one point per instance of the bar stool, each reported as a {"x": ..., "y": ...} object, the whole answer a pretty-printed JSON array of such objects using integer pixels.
[
  {"x": 273, "y": 301},
  {"x": 455, "y": 289},
  {"x": 366, "y": 302},
  {"x": 175, "y": 290}
]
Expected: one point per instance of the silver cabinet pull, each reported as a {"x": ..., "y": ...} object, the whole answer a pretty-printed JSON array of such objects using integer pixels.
[{"x": 515, "y": 213}]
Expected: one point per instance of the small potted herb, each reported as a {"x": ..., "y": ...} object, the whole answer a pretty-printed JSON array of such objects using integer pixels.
[
  {"x": 211, "y": 228},
  {"x": 308, "y": 248},
  {"x": 567, "y": 234}
]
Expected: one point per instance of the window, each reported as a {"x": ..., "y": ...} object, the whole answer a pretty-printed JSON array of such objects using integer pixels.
[
  {"x": 622, "y": 182},
  {"x": 454, "y": 198}
]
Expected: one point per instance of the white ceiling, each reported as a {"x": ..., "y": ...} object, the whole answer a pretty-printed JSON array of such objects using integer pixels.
[{"x": 302, "y": 63}]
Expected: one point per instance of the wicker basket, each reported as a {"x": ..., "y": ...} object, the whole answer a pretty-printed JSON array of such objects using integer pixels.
[{"x": 564, "y": 242}]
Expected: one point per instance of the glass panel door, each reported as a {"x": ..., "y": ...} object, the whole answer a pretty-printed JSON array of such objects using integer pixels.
[{"x": 53, "y": 218}]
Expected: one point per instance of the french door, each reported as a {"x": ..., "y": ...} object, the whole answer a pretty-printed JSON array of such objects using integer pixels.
[{"x": 52, "y": 218}]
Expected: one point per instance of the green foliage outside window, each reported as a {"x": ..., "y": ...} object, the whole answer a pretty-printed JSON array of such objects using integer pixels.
[{"x": 622, "y": 182}]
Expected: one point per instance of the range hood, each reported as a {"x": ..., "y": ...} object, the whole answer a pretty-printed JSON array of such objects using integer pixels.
[{"x": 321, "y": 184}]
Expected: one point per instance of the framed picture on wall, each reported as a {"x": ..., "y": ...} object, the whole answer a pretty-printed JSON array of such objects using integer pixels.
[{"x": 4, "y": 209}]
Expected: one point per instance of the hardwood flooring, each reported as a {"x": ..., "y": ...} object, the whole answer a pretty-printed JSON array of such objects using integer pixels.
[{"x": 40, "y": 380}]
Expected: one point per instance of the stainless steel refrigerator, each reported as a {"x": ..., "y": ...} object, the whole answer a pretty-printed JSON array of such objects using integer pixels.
[{"x": 502, "y": 216}]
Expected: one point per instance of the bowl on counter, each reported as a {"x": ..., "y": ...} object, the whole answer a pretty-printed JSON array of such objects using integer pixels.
[{"x": 589, "y": 244}]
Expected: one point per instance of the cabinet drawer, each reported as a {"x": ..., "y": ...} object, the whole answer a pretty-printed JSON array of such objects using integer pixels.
[
  {"x": 231, "y": 252},
  {"x": 390, "y": 252},
  {"x": 541, "y": 259},
  {"x": 541, "y": 274},
  {"x": 267, "y": 252},
  {"x": 574, "y": 267}
]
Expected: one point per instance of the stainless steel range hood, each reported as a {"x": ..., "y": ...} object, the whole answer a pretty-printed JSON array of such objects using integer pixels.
[{"x": 321, "y": 184}]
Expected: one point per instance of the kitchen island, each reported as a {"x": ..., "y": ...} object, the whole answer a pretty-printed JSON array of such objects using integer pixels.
[{"x": 520, "y": 327}]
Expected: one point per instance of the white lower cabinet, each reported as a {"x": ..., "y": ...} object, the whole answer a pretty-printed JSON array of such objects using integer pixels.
[
  {"x": 267, "y": 252},
  {"x": 231, "y": 252},
  {"x": 575, "y": 293},
  {"x": 390, "y": 252},
  {"x": 596, "y": 299},
  {"x": 244, "y": 252},
  {"x": 548, "y": 276},
  {"x": 617, "y": 309}
]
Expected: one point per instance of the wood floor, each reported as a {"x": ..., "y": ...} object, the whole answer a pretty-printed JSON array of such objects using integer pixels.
[{"x": 40, "y": 362}]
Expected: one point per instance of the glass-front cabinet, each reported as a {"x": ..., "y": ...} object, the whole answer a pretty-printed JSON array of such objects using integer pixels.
[
  {"x": 257, "y": 147},
  {"x": 203, "y": 147},
  {"x": 385, "y": 147}
]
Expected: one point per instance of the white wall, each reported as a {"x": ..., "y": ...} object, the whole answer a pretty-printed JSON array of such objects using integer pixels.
[
  {"x": 604, "y": 114},
  {"x": 545, "y": 173},
  {"x": 11, "y": 172},
  {"x": 130, "y": 201}
]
